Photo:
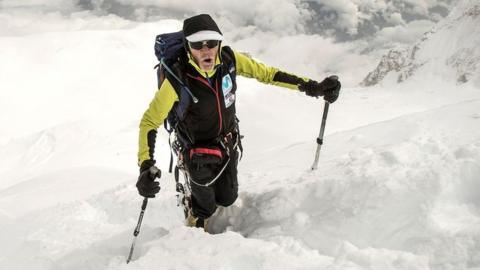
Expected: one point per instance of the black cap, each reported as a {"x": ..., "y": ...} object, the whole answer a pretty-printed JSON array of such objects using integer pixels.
[{"x": 202, "y": 22}]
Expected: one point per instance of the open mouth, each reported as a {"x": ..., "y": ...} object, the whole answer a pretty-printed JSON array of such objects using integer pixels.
[{"x": 208, "y": 60}]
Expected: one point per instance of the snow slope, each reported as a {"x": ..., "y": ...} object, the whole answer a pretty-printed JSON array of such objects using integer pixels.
[
  {"x": 383, "y": 198},
  {"x": 397, "y": 185}
]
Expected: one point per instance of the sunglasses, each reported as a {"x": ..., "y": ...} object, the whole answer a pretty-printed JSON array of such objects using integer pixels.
[{"x": 199, "y": 44}]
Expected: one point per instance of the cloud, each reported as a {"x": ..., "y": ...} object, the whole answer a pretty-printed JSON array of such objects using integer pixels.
[
  {"x": 358, "y": 18},
  {"x": 403, "y": 34},
  {"x": 40, "y": 6},
  {"x": 311, "y": 37},
  {"x": 305, "y": 55},
  {"x": 395, "y": 19},
  {"x": 287, "y": 16},
  {"x": 342, "y": 19},
  {"x": 281, "y": 16},
  {"x": 347, "y": 13}
]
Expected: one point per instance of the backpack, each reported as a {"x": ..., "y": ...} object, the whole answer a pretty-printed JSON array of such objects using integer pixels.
[{"x": 169, "y": 50}]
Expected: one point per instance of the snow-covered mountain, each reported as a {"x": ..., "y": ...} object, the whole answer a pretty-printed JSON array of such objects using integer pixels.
[{"x": 450, "y": 50}]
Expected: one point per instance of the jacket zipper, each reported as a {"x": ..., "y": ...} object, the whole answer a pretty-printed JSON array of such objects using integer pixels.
[{"x": 215, "y": 91}]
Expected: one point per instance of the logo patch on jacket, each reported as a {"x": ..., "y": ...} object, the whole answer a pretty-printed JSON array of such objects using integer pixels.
[{"x": 227, "y": 86}]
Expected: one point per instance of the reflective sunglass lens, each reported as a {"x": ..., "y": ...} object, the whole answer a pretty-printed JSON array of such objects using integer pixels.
[{"x": 199, "y": 45}]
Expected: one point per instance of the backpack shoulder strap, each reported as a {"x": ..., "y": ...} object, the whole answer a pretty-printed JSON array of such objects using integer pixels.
[
  {"x": 228, "y": 57},
  {"x": 229, "y": 61},
  {"x": 177, "y": 79}
]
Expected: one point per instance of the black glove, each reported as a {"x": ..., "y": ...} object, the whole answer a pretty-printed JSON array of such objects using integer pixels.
[
  {"x": 329, "y": 88},
  {"x": 146, "y": 184}
]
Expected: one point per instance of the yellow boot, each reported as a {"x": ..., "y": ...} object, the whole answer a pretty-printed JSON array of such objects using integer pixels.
[{"x": 193, "y": 221}]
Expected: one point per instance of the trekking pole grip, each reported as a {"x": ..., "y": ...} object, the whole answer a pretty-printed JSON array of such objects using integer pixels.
[{"x": 144, "y": 203}]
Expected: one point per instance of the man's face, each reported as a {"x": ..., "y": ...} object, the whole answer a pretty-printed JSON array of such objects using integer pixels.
[{"x": 204, "y": 53}]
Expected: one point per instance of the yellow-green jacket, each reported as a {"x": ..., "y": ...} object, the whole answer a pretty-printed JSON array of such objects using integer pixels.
[{"x": 166, "y": 96}]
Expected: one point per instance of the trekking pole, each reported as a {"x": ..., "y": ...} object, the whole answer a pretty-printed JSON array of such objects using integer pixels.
[
  {"x": 322, "y": 129},
  {"x": 137, "y": 229},
  {"x": 320, "y": 136},
  {"x": 155, "y": 173}
]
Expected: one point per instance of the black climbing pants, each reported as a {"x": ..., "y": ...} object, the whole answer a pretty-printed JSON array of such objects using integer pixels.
[{"x": 223, "y": 192}]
